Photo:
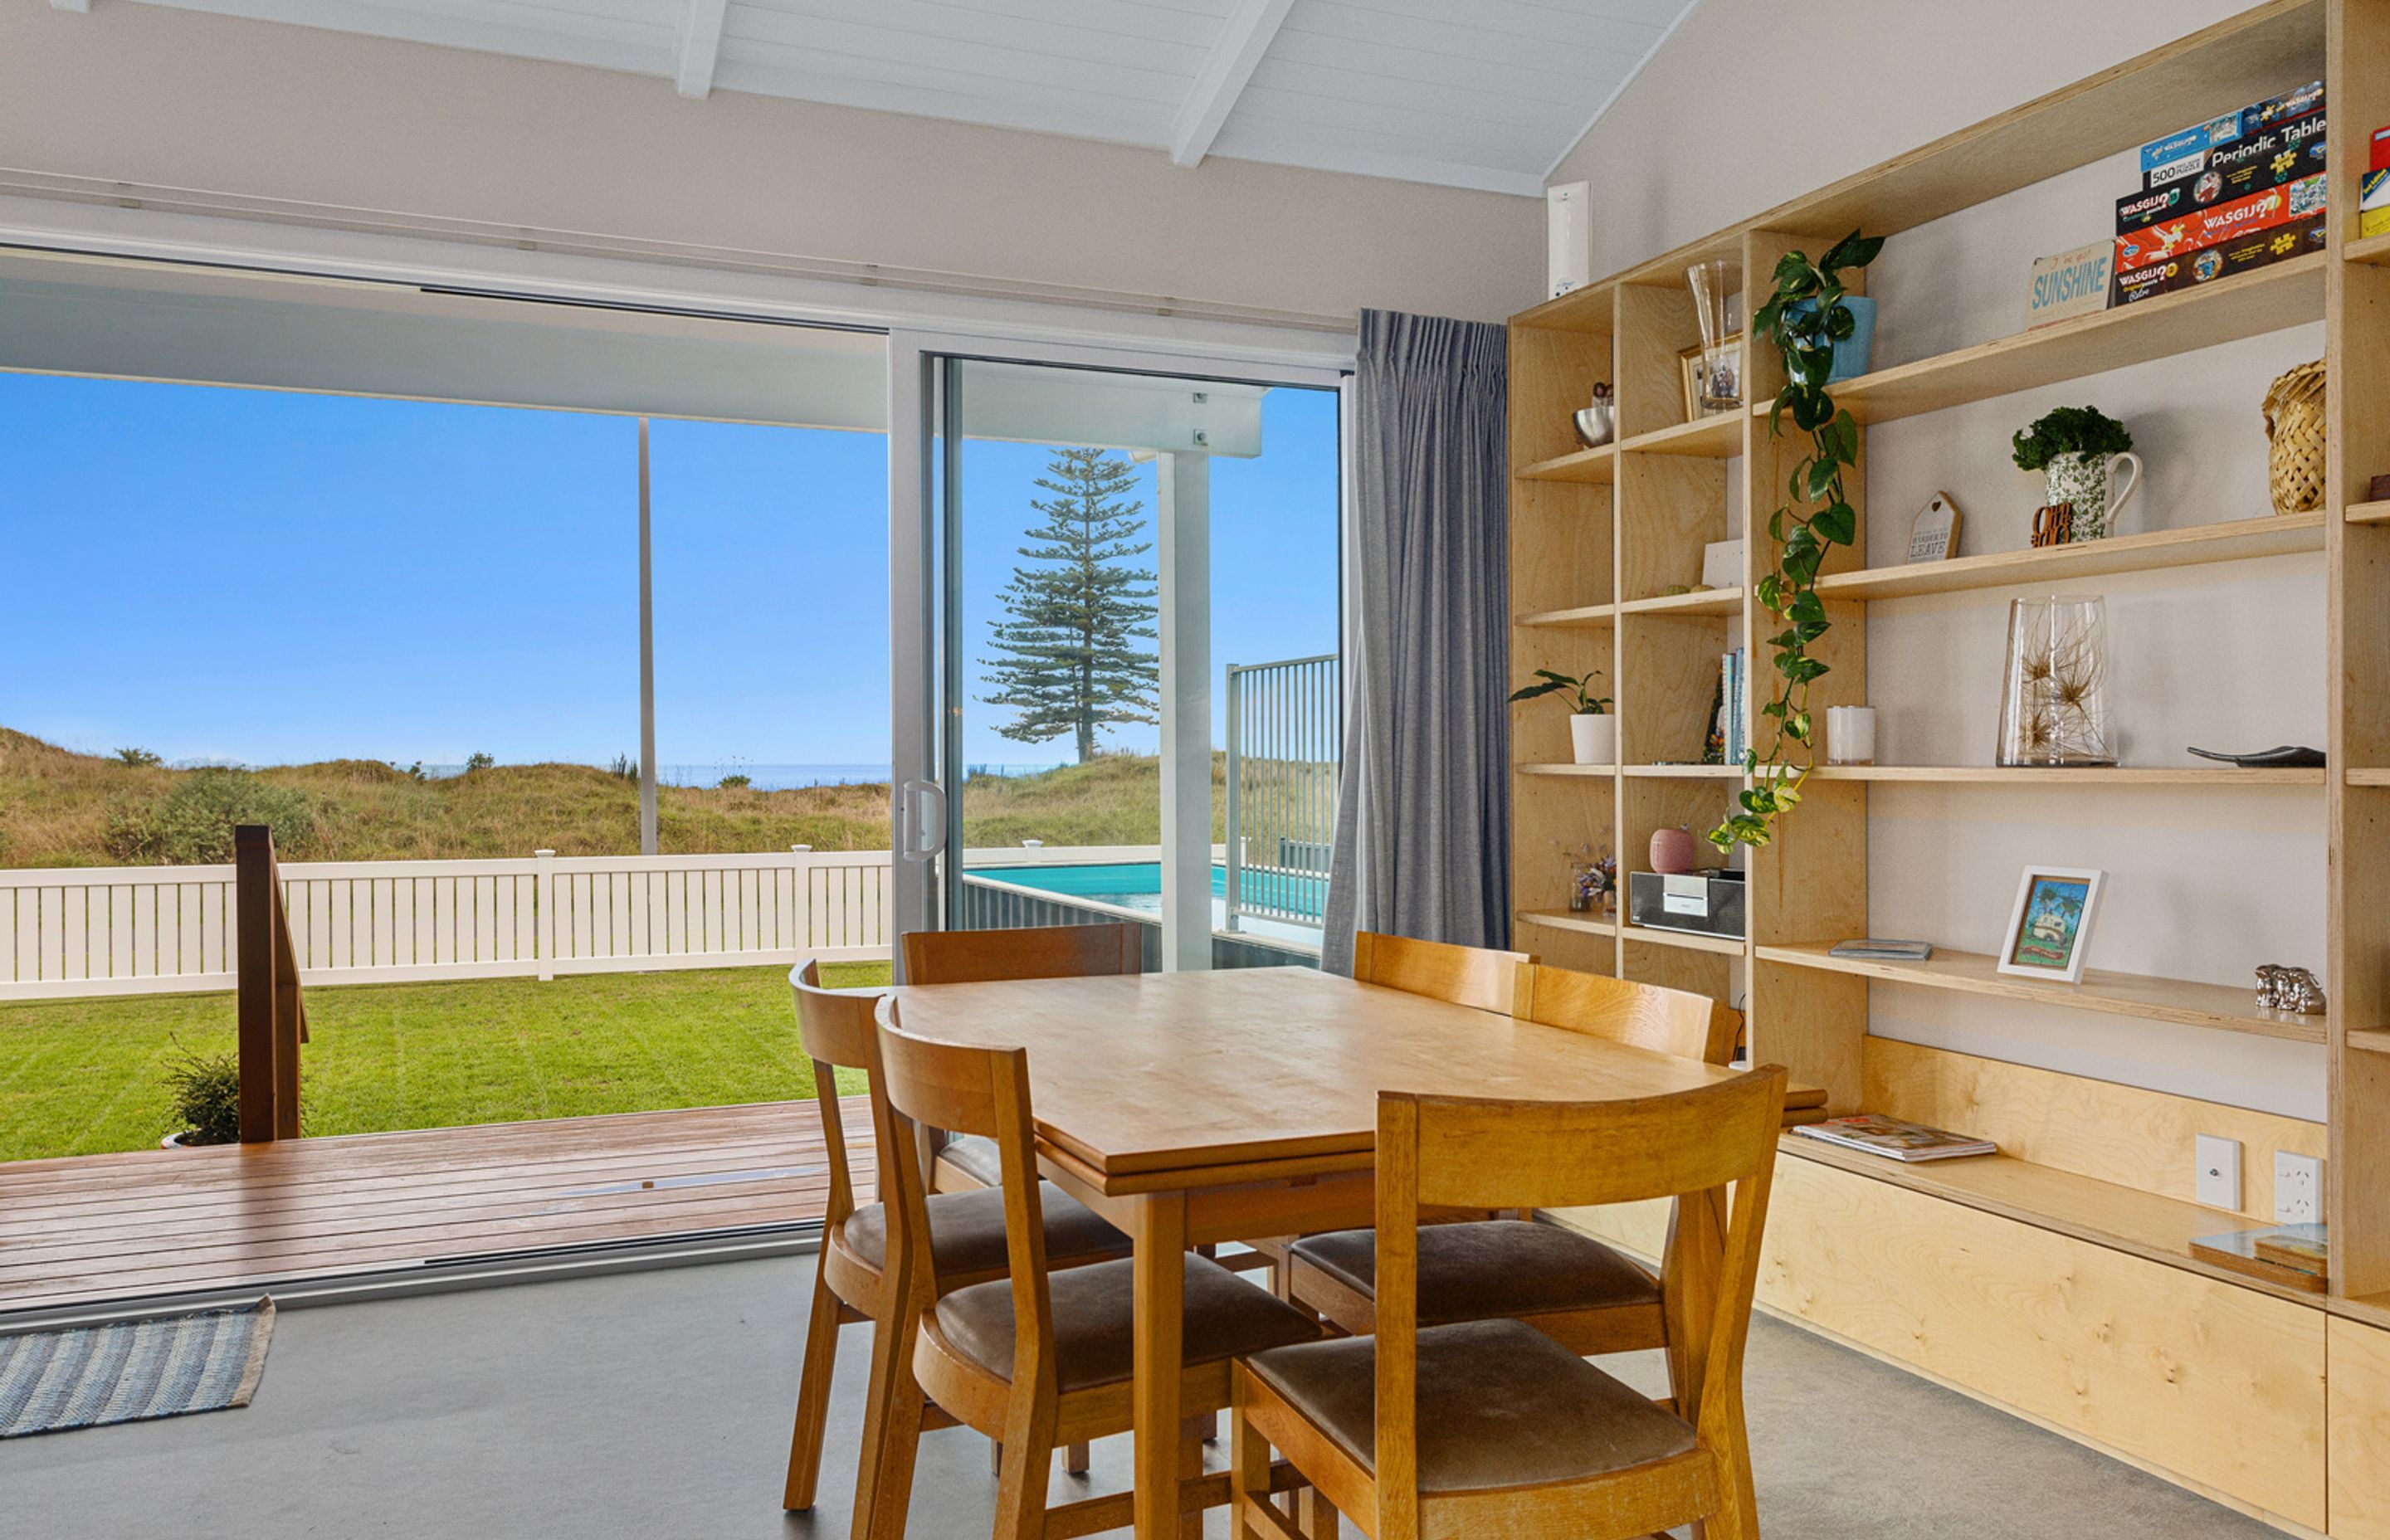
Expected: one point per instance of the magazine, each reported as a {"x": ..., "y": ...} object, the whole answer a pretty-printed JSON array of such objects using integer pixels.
[{"x": 1895, "y": 1139}]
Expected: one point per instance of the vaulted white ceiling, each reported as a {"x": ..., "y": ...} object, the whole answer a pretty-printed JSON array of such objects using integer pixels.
[{"x": 1484, "y": 93}]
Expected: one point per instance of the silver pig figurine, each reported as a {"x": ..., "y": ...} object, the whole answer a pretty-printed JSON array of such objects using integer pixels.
[{"x": 2291, "y": 989}]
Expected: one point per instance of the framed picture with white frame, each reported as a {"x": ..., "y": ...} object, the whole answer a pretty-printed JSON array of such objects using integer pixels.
[{"x": 2049, "y": 928}]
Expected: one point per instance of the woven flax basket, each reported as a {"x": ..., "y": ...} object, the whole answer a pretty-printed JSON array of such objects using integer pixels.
[{"x": 2295, "y": 429}]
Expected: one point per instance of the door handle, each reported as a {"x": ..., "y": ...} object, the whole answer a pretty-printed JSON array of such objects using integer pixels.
[{"x": 925, "y": 835}]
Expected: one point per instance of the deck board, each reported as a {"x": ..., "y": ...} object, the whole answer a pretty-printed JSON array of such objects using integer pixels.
[{"x": 89, "y": 1228}]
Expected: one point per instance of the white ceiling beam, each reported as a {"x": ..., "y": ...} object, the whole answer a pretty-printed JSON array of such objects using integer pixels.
[
  {"x": 1244, "y": 38},
  {"x": 699, "y": 47}
]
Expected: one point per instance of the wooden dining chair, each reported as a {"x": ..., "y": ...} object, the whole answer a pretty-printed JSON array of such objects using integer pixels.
[
  {"x": 1493, "y": 1428},
  {"x": 850, "y": 1277},
  {"x": 1575, "y": 1288},
  {"x": 1027, "y": 952},
  {"x": 1039, "y": 1358},
  {"x": 1476, "y": 976}
]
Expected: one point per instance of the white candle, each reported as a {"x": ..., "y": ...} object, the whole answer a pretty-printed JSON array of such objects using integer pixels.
[{"x": 1850, "y": 735}]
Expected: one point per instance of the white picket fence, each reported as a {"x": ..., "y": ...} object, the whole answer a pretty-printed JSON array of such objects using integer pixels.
[{"x": 145, "y": 929}]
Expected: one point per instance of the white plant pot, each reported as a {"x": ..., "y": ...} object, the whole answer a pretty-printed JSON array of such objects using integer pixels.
[{"x": 1595, "y": 738}]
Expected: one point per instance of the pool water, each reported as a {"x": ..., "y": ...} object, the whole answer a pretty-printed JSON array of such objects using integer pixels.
[{"x": 1137, "y": 885}]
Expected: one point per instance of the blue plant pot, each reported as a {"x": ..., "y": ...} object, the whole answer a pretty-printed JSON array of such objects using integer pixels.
[{"x": 1854, "y": 354}]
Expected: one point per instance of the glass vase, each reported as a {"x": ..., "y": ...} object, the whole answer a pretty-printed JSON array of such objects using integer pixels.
[
  {"x": 1715, "y": 284},
  {"x": 2054, "y": 692}
]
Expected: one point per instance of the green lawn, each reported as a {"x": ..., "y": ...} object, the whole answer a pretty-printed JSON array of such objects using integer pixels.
[{"x": 80, "y": 1076}]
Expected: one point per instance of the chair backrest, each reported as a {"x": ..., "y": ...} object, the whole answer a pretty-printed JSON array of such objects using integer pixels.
[
  {"x": 1027, "y": 952},
  {"x": 1640, "y": 1015},
  {"x": 1475, "y": 976},
  {"x": 837, "y": 1030},
  {"x": 1716, "y": 1146},
  {"x": 968, "y": 1090}
]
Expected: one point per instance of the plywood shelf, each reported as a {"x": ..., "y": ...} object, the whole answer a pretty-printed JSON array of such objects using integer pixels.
[
  {"x": 1568, "y": 920},
  {"x": 2216, "y": 775},
  {"x": 2244, "y": 58},
  {"x": 1585, "y": 617},
  {"x": 1601, "y": 772},
  {"x": 2287, "y": 294},
  {"x": 2104, "y": 1214},
  {"x": 2239, "y": 540},
  {"x": 2370, "y": 513},
  {"x": 2223, "y": 1008},
  {"x": 1709, "y": 602},
  {"x": 2368, "y": 774},
  {"x": 2369, "y": 1039},
  {"x": 1688, "y": 940},
  {"x": 1586, "y": 466},
  {"x": 2372, "y": 250},
  {"x": 1716, "y": 438},
  {"x": 1684, "y": 772}
]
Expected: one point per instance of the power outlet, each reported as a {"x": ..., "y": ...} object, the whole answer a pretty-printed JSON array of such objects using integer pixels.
[
  {"x": 2220, "y": 1171},
  {"x": 2298, "y": 1188}
]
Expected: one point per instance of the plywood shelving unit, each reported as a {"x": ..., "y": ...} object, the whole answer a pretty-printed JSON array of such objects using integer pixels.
[{"x": 1598, "y": 537}]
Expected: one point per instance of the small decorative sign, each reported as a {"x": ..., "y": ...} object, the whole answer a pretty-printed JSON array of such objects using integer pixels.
[
  {"x": 2070, "y": 284},
  {"x": 1935, "y": 536}
]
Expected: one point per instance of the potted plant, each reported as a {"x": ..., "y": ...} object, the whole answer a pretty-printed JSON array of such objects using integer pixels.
[
  {"x": 2079, "y": 449},
  {"x": 207, "y": 1100},
  {"x": 1593, "y": 732}
]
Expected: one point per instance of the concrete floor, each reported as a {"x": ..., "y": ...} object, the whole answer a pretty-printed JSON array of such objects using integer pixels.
[{"x": 657, "y": 1405}]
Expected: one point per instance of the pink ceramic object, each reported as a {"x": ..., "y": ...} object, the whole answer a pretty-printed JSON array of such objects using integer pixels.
[{"x": 1675, "y": 850}]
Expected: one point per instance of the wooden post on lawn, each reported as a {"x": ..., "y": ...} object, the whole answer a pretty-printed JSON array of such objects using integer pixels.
[{"x": 273, "y": 1016}]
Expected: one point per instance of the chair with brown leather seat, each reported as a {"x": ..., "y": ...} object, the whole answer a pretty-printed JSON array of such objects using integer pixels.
[
  {"x": 1026, "y": 952},
  {"x": 1475, "y": 976},
  {"x": 1572, "y": 1287},
  {"x": 1038, "y": 1359},
  {"x": 850, "y": 1277},
  {"x": 1492, "y": 1427}
]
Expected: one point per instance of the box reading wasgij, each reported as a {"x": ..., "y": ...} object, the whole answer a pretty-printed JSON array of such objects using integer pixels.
[
  {"x": 2205, "y": 228},
  {"x": 2242, "y": 253},
  {"x": 2373, "y": 188},
  {"x": 2269, "y": 158},
  {"x": 2185, "y": 154}
]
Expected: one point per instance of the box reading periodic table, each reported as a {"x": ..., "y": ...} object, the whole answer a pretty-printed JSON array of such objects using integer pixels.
[{"x": 2070, "y": 284}]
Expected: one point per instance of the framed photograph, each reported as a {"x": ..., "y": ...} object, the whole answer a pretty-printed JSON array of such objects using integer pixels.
[
  {"x": 2051, "y": 924},
  {"x": 1691, "y": 362}
]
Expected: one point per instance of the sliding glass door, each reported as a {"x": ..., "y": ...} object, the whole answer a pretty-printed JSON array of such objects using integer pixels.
[{"x": 1092, "y": 548}]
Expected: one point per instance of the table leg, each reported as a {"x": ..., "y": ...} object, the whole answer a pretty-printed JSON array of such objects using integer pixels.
[{"x": 1159, "y": 1234}]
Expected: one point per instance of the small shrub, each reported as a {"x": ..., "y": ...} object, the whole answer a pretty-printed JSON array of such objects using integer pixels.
[
  {"x": 479, "y": 762},
  {"x": 192, "y": 824},
  {"x": 735, "y": 783},
  {"x": 207, "y": 1096},
  {"x": 624, "y": 768},
  {"x": 138, "y": 759}
]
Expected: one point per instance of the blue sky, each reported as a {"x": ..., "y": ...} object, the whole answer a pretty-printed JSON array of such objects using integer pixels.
[{"x": 268, "y": 577}]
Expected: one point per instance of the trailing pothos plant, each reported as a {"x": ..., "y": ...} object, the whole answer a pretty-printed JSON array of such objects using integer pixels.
[{"x": 1805, "y": 319}]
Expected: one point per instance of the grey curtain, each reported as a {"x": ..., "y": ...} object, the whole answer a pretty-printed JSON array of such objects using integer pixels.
[{"x": 1423, "y": 817}]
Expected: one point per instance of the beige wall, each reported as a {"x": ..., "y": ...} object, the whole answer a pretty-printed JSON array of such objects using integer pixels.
[
  {"x": 168, "y": 98},
  {"x": 2203, "y": 884},
  {"x": 1704, "y": 136}
]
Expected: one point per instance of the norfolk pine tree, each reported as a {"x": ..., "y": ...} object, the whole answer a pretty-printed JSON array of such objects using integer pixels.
[{"x": 1067, "y": 656}]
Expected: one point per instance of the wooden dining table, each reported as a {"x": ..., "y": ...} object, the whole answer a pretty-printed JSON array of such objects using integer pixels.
[{"x": 1190, "y": 1108}]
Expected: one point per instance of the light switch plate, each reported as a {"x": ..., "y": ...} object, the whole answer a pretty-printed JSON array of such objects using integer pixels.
[
  {"x": 2298, "y": 1188},
  {"x": 2220, "y": 1171}
]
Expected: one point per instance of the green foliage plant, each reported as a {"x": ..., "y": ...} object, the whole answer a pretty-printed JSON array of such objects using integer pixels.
[
  {"x": 2069, "y": 430},
  {"x": 206, "y": 1089},
  {"x": 480, "y": 761},
  {"x": 192, "y": 824},
  {"x": 138, "y": 759},
  {"x": 1805, "y": 319},
  {"x": 1574, "y": 690}
]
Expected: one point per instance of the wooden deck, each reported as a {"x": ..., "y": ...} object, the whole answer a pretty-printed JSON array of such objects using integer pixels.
[{"x": 90, "y": 1228}]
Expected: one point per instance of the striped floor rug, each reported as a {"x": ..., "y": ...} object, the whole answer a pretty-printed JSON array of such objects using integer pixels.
[{"x": 128, "y": 1371}]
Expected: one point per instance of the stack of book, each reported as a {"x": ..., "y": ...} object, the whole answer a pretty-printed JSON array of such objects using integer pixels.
[
  {"x": 2230, "y": 194},
  {"x": 1734, "y": 706},
  {"x": 1895, "y": 1140}
]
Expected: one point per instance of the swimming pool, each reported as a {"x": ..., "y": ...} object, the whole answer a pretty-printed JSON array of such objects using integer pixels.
[{"x": 1137, "y": 885}]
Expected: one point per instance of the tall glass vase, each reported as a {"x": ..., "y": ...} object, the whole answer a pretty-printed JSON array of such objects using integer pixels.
[
  {"x": 2054, "y": 694},
  {"x": 1715, "y": 284}
]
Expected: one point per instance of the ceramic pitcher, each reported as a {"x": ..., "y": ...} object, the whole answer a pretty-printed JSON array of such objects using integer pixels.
[{"x": 2090, "y": 483}]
